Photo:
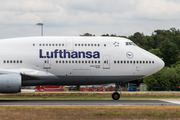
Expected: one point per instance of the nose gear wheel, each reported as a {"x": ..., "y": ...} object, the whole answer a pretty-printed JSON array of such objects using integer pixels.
[{"x": 117, "y": 88}]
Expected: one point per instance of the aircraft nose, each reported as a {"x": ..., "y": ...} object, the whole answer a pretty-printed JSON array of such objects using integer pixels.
[{"x": 161, "y": 64}]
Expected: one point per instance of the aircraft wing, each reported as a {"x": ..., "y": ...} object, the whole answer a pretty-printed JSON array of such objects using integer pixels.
[{"x": 28, "y": 74}]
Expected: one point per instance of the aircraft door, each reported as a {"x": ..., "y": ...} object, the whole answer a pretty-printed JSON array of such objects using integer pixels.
[
  {"x": 47, "y": 64},
  {"x": 106, "y": 62},
  {"x": 69, "y": 44}
]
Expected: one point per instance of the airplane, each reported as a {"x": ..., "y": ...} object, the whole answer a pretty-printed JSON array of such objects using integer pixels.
[{"x": 46, "y": 60}]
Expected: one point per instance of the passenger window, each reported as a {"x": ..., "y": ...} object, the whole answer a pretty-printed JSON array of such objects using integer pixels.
[
  {"x": 49, "y": 44},
  {"x": 150, "y": 62},
  {"x": 39, "y": 44},
  {"x": 62, "y": 44},
  {"x": 46, "y": 44},
  {"x": 137, "y": 62},
  {"x": 86, "y": 61},
  {"x": 134, "y": 62},
  {"x": 92, "y": 61},
  {"x": 66, "y": 61},
  {"x": 20, "y": 61},
  {"x": 89, "y": 61},
  {"x": 75, "y": 44},
  {"x": 63, "y": 61},
  {"x": 99, "y": 61},
  {"x": 59, "y": 61},
  {"x": 82, "y": 45},
  {"x": 98, "y": 45},
  {"x": 79, "y": 61},
  {"x": 59, "y": 44},
  {"x": 140, "y": 62},
  {"x": 127, "y": 61},
  {"x": 104, "y": 61},
  {"x": 94, "y": 44},
  {"x": 8, "y": 61},
  {"x": 76, "y": 61},
  {"x": 88, "y": 44},
  {"x": 85, "y": 44},
  {"x": 69, "y": 61},
  {"x": 147, "y": 62},
  {"x": 52, "y": 44},
  {"x": 78, "y": 44},
  {"x": 73, "y": 61},
  {"x": 126, "y": 43},
  {"x": 124, "y": 61},
  {"x": 143, "y": 62},
  {"x": 83, "y": 61},
  {"x": 43, "y": 44},
  {"x": 56, "y": 44},
  {"x": 33, "y": 44},
  {"x": 104, "y": 45},
  {"x": 91, "y": 44},
  {"x": 95, "y": 61},
  {"x": 118, "y": 61},
  {"x": 130, "y": 61},
  {"x": 121, "y": 61},
  {"x": 115, "y": 62},
  {"x": 153, "y": 62},
  {"x": 4, "y": 61}
]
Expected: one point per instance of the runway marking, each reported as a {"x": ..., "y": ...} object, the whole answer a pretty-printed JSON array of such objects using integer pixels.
[{"x": 172, "y": 101}]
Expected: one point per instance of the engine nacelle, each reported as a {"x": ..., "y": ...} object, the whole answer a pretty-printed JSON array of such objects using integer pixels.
[{"x": 10, "y": 83}]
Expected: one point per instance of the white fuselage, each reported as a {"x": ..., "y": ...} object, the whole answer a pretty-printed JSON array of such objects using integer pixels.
[{"x": 76, "y": 60}]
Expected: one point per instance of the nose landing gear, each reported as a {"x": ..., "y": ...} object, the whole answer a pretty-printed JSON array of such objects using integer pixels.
[{"x": 117, "y": 88}]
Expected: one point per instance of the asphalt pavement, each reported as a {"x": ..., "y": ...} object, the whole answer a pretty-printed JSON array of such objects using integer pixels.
[{"x": 89, "y": 102}]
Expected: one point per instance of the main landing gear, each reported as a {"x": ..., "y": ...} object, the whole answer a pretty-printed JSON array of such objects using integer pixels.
[{"x": 117, "y": 88}]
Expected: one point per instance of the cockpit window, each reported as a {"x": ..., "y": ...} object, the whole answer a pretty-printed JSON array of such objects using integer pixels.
[
  {"x": 130, "y": 43},
  {"x": 134, "y": 43}
]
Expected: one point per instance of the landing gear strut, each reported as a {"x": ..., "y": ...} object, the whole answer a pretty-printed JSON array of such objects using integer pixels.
[{"x": 116, "y": 95}]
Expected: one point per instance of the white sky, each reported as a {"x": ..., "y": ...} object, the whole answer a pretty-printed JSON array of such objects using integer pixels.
[{"x": 18, "y": 18}]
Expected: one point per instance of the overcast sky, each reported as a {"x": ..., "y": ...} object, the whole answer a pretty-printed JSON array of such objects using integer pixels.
[{"x": 18, "y": 18}]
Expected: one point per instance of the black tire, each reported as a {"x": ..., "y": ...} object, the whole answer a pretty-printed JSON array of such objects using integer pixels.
[{"x": 115, "y": 96}]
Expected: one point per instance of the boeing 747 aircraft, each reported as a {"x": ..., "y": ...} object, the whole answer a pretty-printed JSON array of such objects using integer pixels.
[{"x": 36, "y": 61}]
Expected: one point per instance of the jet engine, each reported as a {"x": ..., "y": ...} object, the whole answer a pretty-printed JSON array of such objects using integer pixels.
[{"x": 10, "y": 83}]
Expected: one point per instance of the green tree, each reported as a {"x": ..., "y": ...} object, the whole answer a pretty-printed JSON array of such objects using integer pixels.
[
  {"x": 170, "y": 52},
  {"x": 87, "y": 34},
  {"x": 139, "y": 39},
  {"x": 156, "y": 52}
]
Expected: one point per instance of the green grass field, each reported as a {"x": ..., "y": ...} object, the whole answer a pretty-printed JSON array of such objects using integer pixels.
[
  {"x": 88, "y": 95},
  {"x": 156, "y": 112}
]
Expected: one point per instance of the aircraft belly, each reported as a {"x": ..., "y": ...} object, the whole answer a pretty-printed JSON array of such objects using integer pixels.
[{"x": 79, "y": 80}]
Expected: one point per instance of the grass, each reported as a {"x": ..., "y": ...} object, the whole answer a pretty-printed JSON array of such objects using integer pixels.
[
  {"x": 88, "y": 95},
  {"x": 158, "y": 112}
]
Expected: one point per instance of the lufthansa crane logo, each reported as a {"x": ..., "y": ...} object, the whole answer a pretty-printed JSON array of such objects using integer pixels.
[{"x": 129, "y": 55}]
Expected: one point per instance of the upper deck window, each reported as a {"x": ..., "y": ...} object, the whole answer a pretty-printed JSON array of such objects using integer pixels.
[{"x": 130, "y": 43}]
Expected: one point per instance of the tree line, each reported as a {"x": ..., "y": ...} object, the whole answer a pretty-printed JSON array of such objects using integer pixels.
[{"x": 166, "y": 45}]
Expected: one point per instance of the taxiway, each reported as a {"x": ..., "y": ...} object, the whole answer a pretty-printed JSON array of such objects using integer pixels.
[{"x": 89, "y": 102}]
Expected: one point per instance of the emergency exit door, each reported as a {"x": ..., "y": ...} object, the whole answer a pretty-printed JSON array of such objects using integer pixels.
[{"x": 106, "y": 62}]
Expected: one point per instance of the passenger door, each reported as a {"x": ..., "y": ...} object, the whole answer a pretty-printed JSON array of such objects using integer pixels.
[
  {"x": 106, "y": 62},
  {"x": 47, "y": 63},
  {"x": 69, "y": 44}
]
